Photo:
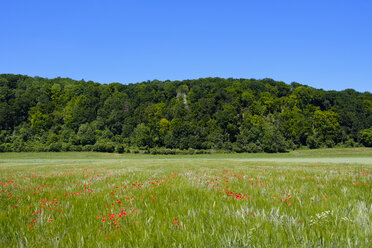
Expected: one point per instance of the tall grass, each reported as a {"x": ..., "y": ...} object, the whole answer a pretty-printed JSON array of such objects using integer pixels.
[{"x": 182, "y": 201}]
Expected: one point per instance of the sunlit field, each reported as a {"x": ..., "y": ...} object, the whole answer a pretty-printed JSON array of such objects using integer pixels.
[{"x": 301, "y": 199}]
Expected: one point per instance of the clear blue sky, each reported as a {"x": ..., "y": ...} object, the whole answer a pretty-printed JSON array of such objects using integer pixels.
[{"x": 321, "y": 43}]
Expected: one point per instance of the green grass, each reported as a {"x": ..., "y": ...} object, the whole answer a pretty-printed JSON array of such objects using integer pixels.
[{"x": 306, "y": 198}]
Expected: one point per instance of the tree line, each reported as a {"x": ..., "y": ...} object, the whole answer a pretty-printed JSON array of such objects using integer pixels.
[{"x": 190, "y": 116}]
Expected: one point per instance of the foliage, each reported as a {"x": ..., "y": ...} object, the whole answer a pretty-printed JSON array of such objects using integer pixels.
[
  {"x": 366, "y": 137},
  {"x": 204, "y": 115}
]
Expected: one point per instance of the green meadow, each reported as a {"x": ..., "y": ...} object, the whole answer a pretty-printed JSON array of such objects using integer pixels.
[{"x": 305, "y": 198}]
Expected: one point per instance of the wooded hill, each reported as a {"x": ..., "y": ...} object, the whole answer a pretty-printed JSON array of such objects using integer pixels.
[{"x": 202, "y": 115}]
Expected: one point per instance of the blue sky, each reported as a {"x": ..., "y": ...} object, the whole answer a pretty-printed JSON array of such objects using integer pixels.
[{"x": 324, "y": 44}]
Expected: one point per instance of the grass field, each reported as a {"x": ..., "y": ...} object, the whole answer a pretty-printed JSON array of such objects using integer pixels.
[{"x": 309, "y": 198}]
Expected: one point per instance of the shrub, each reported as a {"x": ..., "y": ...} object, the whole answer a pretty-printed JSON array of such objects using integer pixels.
[
  {"x": 191, "y": 151},
  {"x": 66, "y": 147},
  {"x": 253, "y": 148},
  {"x": 55, "y": 147},
  {"x": 76, "y": 148},
  {"x": 329, "y": 143},
  {"x": 87, "y": 148},
  {"x": 5, "y": 147},
  {"x": 366, "y": 137},
  {"x": 236, "y": 147},
  {"x": 103, "y": 147},
  {"x": 120, "y": 148},
  {"x": 313, "y": 142}
]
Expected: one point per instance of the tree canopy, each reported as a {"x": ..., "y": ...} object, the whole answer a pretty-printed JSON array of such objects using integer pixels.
[{"x": 207, "y": 114}]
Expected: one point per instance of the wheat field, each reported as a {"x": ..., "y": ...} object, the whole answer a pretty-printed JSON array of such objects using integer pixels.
[{"x": 301, "y": 199}]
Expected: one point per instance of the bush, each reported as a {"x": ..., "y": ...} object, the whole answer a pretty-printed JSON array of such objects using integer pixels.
[
  {"x": 103, "y": 147},
  {"x": 236, "y": 147},
  {"x": 87, "y": 148},
  {"x": 66, "y": 147},
  {"x": 313, "y": 142},
  {"x": 120, "y": 148},
  {"x": 348, "y": 143},
  {"x": 291, "y": 145},
  {"x": 366, "y": 137},
  {"x": 76, "y": 148},
  {"x": 329, "y": 143},
  {"x": 207, "y": 145},
  {"x": 202, "y": 151},
  {"x": 253, "y": 148},
  {"x": 55, "y": 147},
  {"x": 273, "y": 142},
  {"x": 154, "y": 151},
  {"x": 227, "y": 146},
  {"x": 6, "y": 147},
  {"x": 191, "y": 151},
  {"x": 168, "y": 151},
  {"x": 85, "y": 135}
]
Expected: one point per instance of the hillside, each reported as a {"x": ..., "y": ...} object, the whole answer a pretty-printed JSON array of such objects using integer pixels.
[{"x": 240, "y": 115}]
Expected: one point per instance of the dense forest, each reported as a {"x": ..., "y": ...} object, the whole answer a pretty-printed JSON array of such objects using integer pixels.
[{"x": 190, "y": 116}]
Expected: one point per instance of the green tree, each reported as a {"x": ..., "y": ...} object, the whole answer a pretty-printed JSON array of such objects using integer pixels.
[
  {"x": 86, "y": 135},
  {"x": 366, "y": 137},
  {"x": 326, "y": 126},
  {"x": 78, "y": 111},
  {"x": 142, "y": 136}
]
